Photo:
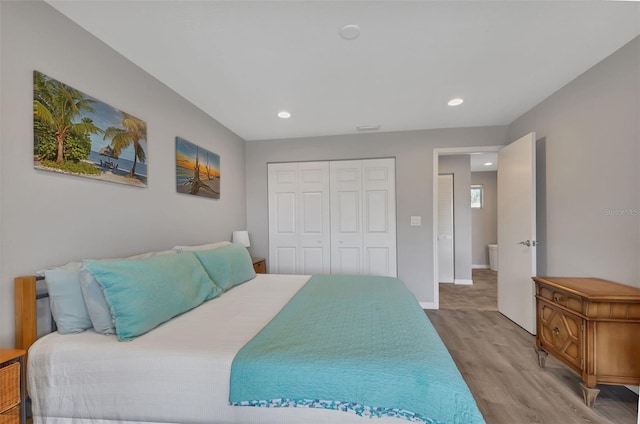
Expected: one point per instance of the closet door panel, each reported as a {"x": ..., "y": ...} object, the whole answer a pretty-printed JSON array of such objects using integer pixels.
[
  {"x": 299, "y": 225},
  {"x": 283, "y": 221},
  {"x": 285, "y": 205},
  {"x": 377, "y": 261},
  {"x": 315, "y": 235},
  {"x": 313, "y": 260},
  {"x": 285, "y": 258},
  {"x": 348, "y": 213},
  {"x": 379, "y": 211},
  {"x": 346, "y": 260},
  {"x": 377, "y": 206},
  {"x": 346, "y": 217}
]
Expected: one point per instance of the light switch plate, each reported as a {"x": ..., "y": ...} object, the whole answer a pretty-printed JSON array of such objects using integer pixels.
[{"x": 416, "y": 221}]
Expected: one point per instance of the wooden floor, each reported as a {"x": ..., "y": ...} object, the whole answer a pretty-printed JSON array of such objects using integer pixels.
[{"x": 498, "y": 361}]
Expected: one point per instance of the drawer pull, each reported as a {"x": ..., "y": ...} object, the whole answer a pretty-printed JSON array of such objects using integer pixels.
[
  {"x": 558, "y": 299},
  {"x": 556, "y": 331}
]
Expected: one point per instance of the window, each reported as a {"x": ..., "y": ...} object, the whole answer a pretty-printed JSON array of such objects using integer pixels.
[{"x": 477, "y": 196}]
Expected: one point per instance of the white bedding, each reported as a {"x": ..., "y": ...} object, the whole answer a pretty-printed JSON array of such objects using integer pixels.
[{"x": 177, "y": 373}]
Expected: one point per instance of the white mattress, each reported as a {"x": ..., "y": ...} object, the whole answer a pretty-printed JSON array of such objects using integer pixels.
[{"x": 177, "y": 373}]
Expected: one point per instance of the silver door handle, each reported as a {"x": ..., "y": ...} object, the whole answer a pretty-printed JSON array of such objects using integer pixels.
[{"x": 529, "y": 243}]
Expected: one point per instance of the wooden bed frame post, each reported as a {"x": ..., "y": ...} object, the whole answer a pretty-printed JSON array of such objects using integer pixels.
[{"x": 25, "y": 312}]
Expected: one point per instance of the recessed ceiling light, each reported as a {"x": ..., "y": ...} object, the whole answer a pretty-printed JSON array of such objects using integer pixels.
[
  {"x": 488, "y": 164},
  {"x": 284, "y": 114},
  {"x": 350, "y": 32},
  {"x": 455, "y": 102}
]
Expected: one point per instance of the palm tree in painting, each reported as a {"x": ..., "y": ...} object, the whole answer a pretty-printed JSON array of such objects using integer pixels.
[
  {"x": 133, "y": 132},
  {"x": 57, "y": 105},
  {"x": 196, "y": 182}
]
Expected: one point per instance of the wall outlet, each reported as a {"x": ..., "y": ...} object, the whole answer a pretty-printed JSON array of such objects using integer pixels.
[{"x": 416, "y": 221}]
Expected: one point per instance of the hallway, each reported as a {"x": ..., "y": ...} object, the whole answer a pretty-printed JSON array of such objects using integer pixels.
[{"x": 481, "y": 296}]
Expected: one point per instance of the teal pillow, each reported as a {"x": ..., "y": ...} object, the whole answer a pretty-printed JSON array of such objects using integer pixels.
[
  {"x": 143, "y": 294},
  {"x": 227, "y": 266}
]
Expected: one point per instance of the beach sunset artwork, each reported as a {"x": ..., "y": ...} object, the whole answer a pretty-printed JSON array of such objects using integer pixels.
[
  {"x": 76, "y": 134},
  {"x": 197, "y": 170}
]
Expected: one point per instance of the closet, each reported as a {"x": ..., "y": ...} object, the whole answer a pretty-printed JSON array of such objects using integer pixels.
[{"x": 332, "y": 217}]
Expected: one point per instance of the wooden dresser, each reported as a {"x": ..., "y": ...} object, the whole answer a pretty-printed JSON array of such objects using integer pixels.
[
  {"x": 259, "y": 265},
  {"x": 591, "y": 325}
]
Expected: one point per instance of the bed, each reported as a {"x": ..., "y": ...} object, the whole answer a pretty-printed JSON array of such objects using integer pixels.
[{"x": 181, "y": 370}]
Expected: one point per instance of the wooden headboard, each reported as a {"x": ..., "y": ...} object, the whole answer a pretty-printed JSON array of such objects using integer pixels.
[
  {"x": 26, "y": 311},
  {"x": 26, "y": 296}
]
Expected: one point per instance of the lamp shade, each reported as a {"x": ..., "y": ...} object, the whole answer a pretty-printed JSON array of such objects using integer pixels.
[{"x": 241, "y": 237}]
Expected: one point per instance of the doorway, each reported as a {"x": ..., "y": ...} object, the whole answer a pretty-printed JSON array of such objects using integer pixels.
[
  {"x": 438, "y": 153},
  {"x": 516, "y": 227}
]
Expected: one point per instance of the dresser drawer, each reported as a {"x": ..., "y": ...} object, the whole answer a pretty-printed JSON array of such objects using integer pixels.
[
  {"x": 259, "y": 265},
  {"x": 9, "y": 386},
  {"x": 561, "y": 298},
  {"x": 561, "y": 333}
]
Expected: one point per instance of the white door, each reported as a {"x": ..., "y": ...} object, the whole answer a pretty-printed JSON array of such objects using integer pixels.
[
  {"x": 346, "y": 217},
  {"x": 283, "y": 212},
  {"x": 363, "y": 217},
  {"x": 517, "y": 231},
  {"x": 445, "y": 229},
  {"x": 332, "y": 217},
  {"x": 299, "y": 218},
  {"x": 313, "y": 217},
  {"x": 379, "y": 217}
]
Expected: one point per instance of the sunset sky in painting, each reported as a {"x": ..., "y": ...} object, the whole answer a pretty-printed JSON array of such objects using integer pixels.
[{"x": 186, "y": 158}]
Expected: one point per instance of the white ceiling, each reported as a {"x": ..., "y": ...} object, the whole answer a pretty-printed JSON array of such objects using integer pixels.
[
  {"x": 242, "y": 62},
  {"x": 479, "y": 162}
]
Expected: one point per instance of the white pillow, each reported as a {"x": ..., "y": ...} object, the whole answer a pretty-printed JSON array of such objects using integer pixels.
[
  {"x": 66, "y": 299},
  {"x": 211, "y": 246}
]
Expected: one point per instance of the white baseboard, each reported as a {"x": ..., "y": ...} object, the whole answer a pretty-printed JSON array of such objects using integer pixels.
[
  {"x": 480, "y": 266},
  {"x": 428, "y": 305},
  {"x": 461, "y": 282}
]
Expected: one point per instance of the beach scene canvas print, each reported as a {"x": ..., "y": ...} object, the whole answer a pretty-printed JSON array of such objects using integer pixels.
[
  {"x": 197, "y": 170},
  {"x": 77, "y": 134}
]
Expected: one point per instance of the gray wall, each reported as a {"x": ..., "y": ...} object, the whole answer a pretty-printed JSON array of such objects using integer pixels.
[
  {"x": 460, "y": 167},
  {"x": 484, "y": 221},
  {"x": 49, "y": 219},
  {"x": 591, "y": 137},
  {"x": 413, "y": 151}
]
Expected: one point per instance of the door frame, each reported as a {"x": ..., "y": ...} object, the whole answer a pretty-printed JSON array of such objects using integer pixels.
[{"x": 445, "y": 151}]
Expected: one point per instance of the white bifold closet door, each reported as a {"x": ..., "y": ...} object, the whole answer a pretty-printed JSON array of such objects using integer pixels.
[
  {"x": 299, "y": 235},
  {"x": 332, "y": 217},
  {"x": 363, "y": 217}
]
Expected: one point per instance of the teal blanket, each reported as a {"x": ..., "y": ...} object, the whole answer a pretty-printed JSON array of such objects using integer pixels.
[{"x": 353, "y": 343}]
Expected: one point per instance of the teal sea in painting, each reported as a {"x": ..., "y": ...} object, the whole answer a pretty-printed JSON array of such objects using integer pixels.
[{"x": 120, "y": 166}]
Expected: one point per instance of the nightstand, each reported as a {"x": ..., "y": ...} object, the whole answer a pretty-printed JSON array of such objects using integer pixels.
[
  {"x": 12, "y": 386},
  {"x": 259, "y": 265}
]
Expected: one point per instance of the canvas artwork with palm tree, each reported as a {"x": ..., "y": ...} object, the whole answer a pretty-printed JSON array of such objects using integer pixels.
[
  {"x": 77, "y": 134},
  {"x": 197, "y": 170}
]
